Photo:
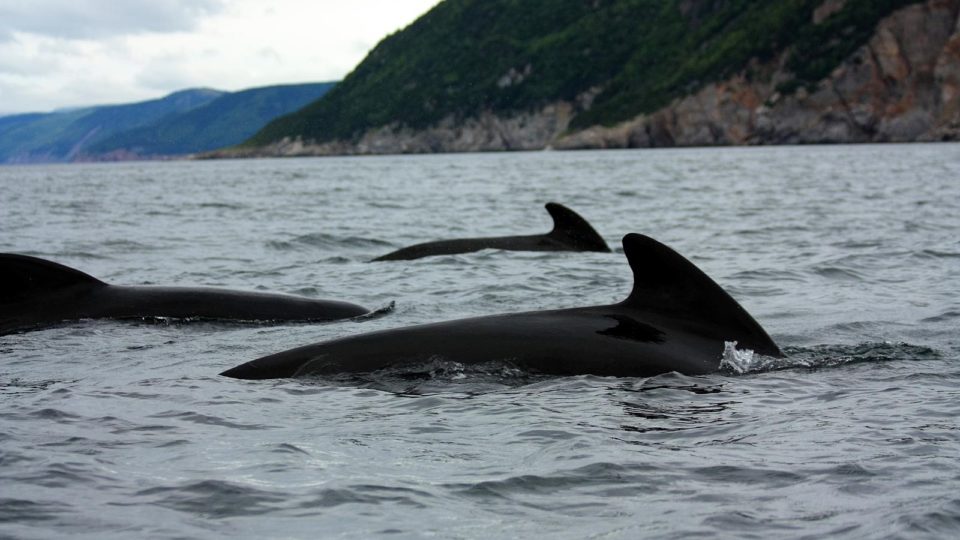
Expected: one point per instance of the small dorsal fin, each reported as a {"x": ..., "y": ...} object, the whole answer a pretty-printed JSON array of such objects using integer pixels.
[
  {"x": 570, "y": 228},
  {"x": 22, "y": 277},
  {"x": 666, "y": 282}
]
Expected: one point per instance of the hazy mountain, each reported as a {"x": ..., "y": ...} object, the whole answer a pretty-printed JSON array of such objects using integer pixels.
[
  {"x": 181, "y": 123},
  {"x": 224, "y": 121},
  {"x": 63, "y": 135}
]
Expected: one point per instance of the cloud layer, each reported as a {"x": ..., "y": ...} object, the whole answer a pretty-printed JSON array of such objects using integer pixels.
[
  {"x": 94, "y": 19},
  {"x": 58, "y": 53}
]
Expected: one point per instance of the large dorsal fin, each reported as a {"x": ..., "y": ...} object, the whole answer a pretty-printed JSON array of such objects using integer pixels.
[
  {"x": 22, "y": 277},
  {"x": 570, "y": 228},
  {"x": 666, "y": 282}
]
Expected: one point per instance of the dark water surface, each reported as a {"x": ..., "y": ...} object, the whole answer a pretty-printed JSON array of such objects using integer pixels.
[{"x": 848, "y": 255}]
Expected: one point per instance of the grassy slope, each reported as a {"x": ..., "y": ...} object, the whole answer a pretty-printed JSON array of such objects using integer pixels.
[{"x": 642, "y": 53}]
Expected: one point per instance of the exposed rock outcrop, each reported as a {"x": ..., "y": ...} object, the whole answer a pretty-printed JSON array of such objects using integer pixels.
[
  {"x": 486, "y": 133},
  {"x": 903, "y": 86}
]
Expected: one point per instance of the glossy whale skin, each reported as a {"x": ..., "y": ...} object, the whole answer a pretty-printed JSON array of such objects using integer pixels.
[
  {"x": 675, "y": 319},
  {"x": 35, "y": 293},
  {"x": 570, "y": 233}
]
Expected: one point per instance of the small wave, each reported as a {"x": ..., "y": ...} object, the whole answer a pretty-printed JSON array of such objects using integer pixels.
[
  {"x": 21, "y": 510},
  {"x": 365, "y": 494},
  {"x": 792, "y": 228},
  {"x": 858, "y": 244},
  {"x": 336, "y": 259},
  {"x": 387, "y": 205},
  {"x": 21, "y": 386},
  {"x": 214, "y": 498},
  {"x": 198, "y": 418},
  {"x": 769, "y": 275},
  {"x": 62, "y": 475},
  {"x": 287, "y": 448},
  {"x": 764, "y": 477},
  {"x": 326, "y": 241},
  {"x": 941, "y": 520},
  {"x": 596, "y": 476},
  {"x": 937, "y": 254},
  {"x": 124, "y": 245},
  {"x": 739, "y": 362},
  {"x": 945, "y": 316},
  {"x": 54, "y": 414},
  {"x": 838, "y": 273},
  {"x": 222, "y": 205}
]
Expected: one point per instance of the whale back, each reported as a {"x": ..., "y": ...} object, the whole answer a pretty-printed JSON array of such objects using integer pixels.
[
  {"x": 666, "y": 283},
  {"x": 571, "y": 229},
  {"x": 23, "y": 277}
]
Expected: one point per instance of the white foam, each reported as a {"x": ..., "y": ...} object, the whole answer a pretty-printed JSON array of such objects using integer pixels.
[{"x": 739, "y": 361}]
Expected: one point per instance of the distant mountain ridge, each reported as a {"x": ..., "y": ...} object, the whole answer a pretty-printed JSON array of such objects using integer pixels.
[
  {"x": 60, "y": 136},
  {"x": 506, "y": 75},
  {"x": 184, "y": 122},
  {"x": 225, "y": 121}
]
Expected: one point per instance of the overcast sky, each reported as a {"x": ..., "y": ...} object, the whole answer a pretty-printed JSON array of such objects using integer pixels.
[{"x": 67, "y": 53}]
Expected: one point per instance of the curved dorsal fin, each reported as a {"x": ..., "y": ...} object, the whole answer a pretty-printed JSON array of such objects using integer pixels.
[
  {"x": 570, "y": 228},
  {"x": 666, "y": 282},
  {"x": 22, "y": 277}
]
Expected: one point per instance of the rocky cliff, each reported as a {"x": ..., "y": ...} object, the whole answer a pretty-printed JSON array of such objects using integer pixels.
[{"x": 903, "y": 85}]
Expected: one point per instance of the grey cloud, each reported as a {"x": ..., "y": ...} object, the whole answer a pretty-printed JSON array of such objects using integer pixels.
[
  {"x": 164, "y": 73},
  {"x": 25, "y": 66},
  {"x": 92, "y": 19}
]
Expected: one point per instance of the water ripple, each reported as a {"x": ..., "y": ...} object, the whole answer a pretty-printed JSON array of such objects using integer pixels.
[
  {"x": 846, "y": 254},
  {"x": 212, "y": 499},
  {"x": 206, "y": 419}
]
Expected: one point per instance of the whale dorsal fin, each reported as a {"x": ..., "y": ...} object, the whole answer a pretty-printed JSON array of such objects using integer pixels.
[
  {"x": 571, "y": 229},
  {"x": 666, "y": 282},
  {"x": 22, "y": 277}
]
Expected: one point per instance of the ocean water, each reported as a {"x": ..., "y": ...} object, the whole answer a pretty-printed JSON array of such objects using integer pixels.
[{"x": 848, "y": 255}]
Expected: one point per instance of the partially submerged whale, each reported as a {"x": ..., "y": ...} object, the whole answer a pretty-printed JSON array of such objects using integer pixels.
[
  {"x": 36, "y": 292},
  {"x": 675, "y": 319},
  {"x": 570, "y": 233}
]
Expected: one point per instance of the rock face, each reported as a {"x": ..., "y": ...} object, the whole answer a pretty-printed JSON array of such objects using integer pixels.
[
  {"x": 902, "y": 86},
  {"x": 488, "y": 132}
]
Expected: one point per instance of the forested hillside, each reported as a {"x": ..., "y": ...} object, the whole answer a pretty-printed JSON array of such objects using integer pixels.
[{"x": 612, "y": 59}]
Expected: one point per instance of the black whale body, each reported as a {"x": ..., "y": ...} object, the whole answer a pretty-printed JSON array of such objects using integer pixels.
[
  {"x": 570, "y": 233},
  {"x": 36, "y": 292},
  {"x": 675, "y": 319}
]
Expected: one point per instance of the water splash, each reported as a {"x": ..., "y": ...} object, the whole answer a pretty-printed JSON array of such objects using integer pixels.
[
  {"x": 735, "y": 360},
  {"x": 742, "y": 361}
]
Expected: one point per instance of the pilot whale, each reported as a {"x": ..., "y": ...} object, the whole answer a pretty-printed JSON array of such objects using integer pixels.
[
  {"x": 36, "y": 292},
  {"x": 570, "y": 233},
  {"x": 675, "y": 319}
]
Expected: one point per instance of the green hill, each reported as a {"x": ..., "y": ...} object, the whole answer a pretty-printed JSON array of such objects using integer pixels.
[
  {"x": 228, "y": 120},
  {"x": 468, "y": 56}
]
